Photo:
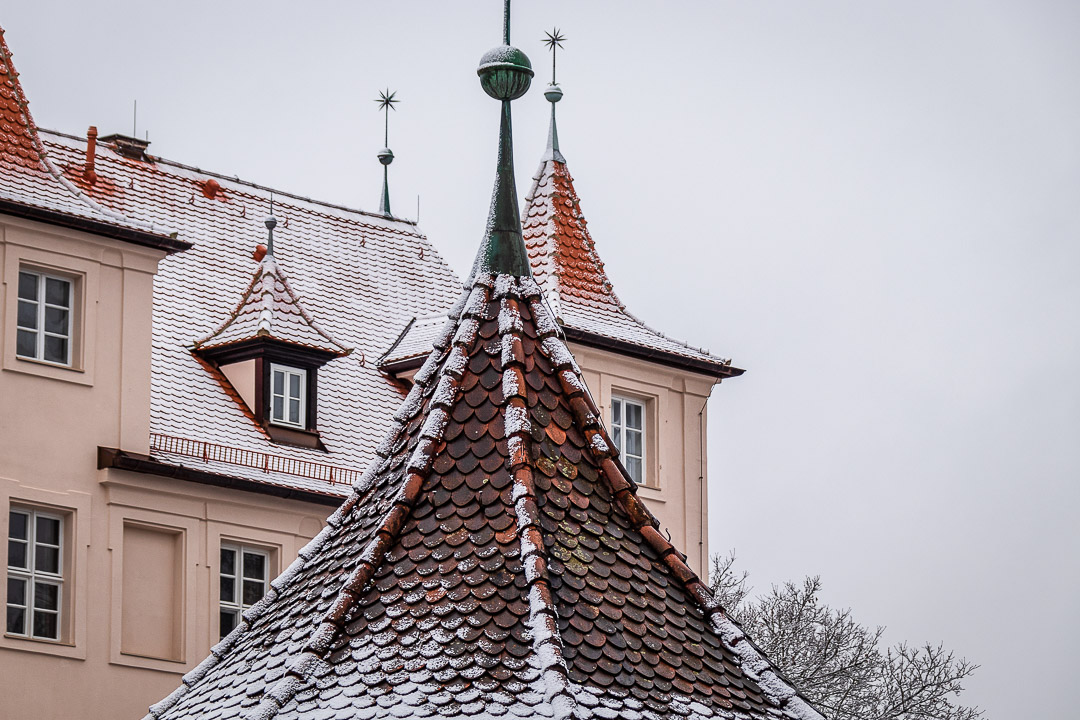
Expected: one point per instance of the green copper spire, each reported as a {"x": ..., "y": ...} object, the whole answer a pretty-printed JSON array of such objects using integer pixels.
[
  {"x": 505, "y": 74},
  {"x": 386, "y": 101}
]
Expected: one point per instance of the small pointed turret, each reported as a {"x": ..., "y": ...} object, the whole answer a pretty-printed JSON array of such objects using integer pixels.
[{"x": 386, "y": 101}]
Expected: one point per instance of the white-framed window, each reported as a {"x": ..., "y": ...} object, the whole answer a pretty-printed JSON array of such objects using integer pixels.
[
  {"x": 35, "y": 577},
  {"x": 244, "y": 579},
  {"x": 44, "y": 317},
  {"x": 288, "y": 396},
  {"x": 628, "y": 433}
]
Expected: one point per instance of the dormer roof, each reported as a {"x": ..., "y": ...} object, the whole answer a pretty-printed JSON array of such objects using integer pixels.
[
  {"x": 32, "y": 187},
  {"x": 270, "y": 310}
]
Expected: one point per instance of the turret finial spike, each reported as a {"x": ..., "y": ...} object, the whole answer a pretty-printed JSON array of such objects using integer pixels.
[
  {"x": 506, "y": 22},
  {"x": 386, "y": 101},
  {"x": 270, "y": 223},
  {"x": 554, "y": 93}
]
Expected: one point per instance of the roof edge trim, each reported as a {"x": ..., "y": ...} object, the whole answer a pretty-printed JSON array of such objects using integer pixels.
[
  {"x": 116, "y": 232},
  {"x": 717, "y": 370}
]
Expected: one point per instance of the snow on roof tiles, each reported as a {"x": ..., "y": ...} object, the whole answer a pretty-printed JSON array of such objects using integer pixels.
[
  {"x": 270, "y": 309},
  {"x": 29, "y": 179},
  {"x": 362, "y": 276},
  {"x": 566, "y": 265},
  {"x": 494, "y": 561}
]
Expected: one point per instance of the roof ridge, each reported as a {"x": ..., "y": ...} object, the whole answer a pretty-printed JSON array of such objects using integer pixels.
[
  {"x": 157, "y": 159},
  {"x": 547, "y": 641}
]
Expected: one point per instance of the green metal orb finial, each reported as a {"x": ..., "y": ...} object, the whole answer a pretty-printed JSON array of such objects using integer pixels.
[{"x": 505, "y": 72}]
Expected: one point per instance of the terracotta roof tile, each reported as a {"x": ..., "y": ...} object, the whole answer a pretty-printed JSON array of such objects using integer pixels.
[{"x": 494, "y": 561}]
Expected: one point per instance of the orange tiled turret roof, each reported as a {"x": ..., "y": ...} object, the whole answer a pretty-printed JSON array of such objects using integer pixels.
[{"x": 567, "y": 266}]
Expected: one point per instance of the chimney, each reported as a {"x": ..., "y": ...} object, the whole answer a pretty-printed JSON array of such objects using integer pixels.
[
  {"x": 91, "y": 155},
  {"x": 128, "y": 146}
]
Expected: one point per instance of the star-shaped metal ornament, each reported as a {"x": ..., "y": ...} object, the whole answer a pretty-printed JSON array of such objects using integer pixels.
[
  {"x": 387, "y": 99},
  {"x": 554, "y": 41}
]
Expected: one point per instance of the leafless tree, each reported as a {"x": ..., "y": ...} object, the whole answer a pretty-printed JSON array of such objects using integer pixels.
[{"x": 837, "y": 663}]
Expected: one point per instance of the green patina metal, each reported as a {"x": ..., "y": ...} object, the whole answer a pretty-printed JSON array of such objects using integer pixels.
[{"x": 505, "y": 74}]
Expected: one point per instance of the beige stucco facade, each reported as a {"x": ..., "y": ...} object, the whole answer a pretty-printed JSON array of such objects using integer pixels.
[{"x": 139, "y": 605}]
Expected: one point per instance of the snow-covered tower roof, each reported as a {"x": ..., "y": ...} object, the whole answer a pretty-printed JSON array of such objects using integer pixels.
[{"x": 494, "y": 561}]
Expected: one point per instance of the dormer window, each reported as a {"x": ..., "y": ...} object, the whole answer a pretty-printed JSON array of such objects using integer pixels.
[{"x": 288, "y": 396}]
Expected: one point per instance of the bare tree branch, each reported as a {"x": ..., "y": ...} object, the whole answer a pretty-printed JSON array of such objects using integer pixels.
[{"x": 838, "y": 663}]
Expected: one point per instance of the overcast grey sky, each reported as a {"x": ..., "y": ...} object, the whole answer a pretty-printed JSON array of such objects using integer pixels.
[{"x": 870, "y": 206}]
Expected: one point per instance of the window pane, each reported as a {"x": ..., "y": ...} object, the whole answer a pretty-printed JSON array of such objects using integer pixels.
[
  {"x": 56, "y": 291},
  {"x": 294, "y": 386},
  {"x": 228, "y": 561},
  {"x": 633, "y": 415},
  {"x": 48, "y": 530},
  {"x": 294, "y": 411},
  {"x": 18, "y": 525},
  {"x": 28, "y": 314},
  {"x": 253, "y": 591},
  {"x": 633, "y": 442},
  {"x": 16, "y": 554},
  {"x": 228, "y": 621},
  {"x": 28, "y": 286},
  {"x": 26, "y": 344},
  {"x": 16, "y": 591},
  {"x": 254, "y": 566},
  {"x": 45, "y": 625},
  {"x": 228, "y": 590},
  {"x": 46, "y": 596},
  {"x": 56, "y": 349},
  {"x": 278, "y": 408},
  {"x": 56, "y": 320},
  {"x": 616, "y": 411},
  {"x": 279, "y": 382},
  {"x": 616, "y": 437},
  {"x": 47, "y": 559},
  {"x": 633, "y": 466},
  {"x": 16, "y": 621}
]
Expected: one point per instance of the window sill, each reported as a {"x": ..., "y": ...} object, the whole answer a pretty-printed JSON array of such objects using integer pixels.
[
  {"x": 43, "y": 647},
  {"x": 652, "y": 494},
  {"x": 149, "y": 663},
  {"x": 43, "y": 368},
  {"x": 294, "y": 436}
]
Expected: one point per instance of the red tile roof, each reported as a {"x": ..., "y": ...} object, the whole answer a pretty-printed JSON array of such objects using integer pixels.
[
  {"x": 31, "y": 186},
  {"x": 567, "y": 266},
  {"x": 360, "y": 276},
  {"x": 270, "y": 309},
  {"x": 493, "y": 562}
]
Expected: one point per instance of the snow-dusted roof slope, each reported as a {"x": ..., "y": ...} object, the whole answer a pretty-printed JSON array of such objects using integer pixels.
[
  {"x": 493, "y": 562},
  {"x": 33, "y": 186},
  {"x": 271, "y": 309},
  {"x": 360, "y": 276},
  {"x": 566, "y": 265}
]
